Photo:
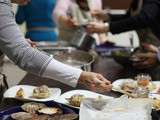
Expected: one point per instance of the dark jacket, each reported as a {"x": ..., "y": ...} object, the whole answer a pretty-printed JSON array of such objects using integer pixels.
[{"x": 149, "y": 17}]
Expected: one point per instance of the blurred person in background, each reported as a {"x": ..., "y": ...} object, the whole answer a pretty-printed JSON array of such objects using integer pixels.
[
  {"x": 142, "y": 16},
  {"x": 37, "y": 14},
  {"x": 71, "y": 14},
  {"x": 14, "y": 45}
]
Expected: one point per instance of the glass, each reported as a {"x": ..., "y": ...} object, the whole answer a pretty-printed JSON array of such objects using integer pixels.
[
  {"x": 143, "y": 80},
  {"x": 142, "y": 92}
]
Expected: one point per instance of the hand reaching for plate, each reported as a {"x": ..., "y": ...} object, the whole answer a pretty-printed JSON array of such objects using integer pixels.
[
  {"x": 95, "y": 82},
  {"x": 146, "y": 60},
  {"x": 95, "y": 27}
]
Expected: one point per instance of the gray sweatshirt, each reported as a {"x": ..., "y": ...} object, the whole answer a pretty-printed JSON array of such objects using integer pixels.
[{"x": 14, "y": 45}]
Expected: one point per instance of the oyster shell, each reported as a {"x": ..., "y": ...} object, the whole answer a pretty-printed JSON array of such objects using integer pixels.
[
  {"x": 32, "y": 107},
  {"x": 41, "y": 92},
  {"x": 24, "y": 116},
  {"x": 50, "y": 111},
  {"x": 20, "y": 93},
  {"x": 75, "y": 100}
]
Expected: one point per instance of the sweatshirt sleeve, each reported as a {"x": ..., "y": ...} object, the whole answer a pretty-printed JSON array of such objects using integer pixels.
[
  {"x": 14, "y": 45},
  {"x": 144, "y": 19}
]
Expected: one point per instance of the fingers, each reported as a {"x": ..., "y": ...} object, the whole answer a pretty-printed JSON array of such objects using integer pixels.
[
  {"x": 97, "y": 28},
  {"x": 103, "y": 79},
  {"x": 33, "y": 44},
  {"x": 101, "y": 88},
  {"x": 142, "y": 65},
  {"x": 141, "y": 55},
  {"x": 150, "y": 47},
  {"x": 71, "y": 23},
  {"x": 100, "y": 84},
  {"x": 95, "y": 82},
  {"x": 148, "y": 63}
]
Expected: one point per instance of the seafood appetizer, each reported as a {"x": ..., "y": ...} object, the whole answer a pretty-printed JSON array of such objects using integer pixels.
[
  {"x": 129, "y": 86},
  {"x": 75, "y": 100},
  {"x": 39, "y": 111},
  {"x": 41, "y": 92},
  {"x": 23, "y": 116},
  {"x": 51, "y": 111},
  {"x": 20, "y": 93},
  {"x": 156, "y": 104},
  {"x": 33, "y": 107}
]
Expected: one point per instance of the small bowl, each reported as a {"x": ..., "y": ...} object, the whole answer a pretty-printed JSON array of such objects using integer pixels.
[{"x": 125, "y": 57}]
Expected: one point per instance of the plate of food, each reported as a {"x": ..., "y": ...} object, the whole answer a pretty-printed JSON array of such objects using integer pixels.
[
  {"x": 73, "y": 98},
  {"x": 32, "y": 93},
  {"x": 38, "y": 111},
  {"x": 129, "y": 86}
]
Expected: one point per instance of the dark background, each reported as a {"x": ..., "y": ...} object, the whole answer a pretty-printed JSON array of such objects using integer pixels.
[{"x": 117, "y": 4}]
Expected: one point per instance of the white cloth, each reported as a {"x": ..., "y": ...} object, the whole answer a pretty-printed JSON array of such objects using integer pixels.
[
  {"x": 63, "y": 73},
  {"x": 114, "y": 109}
]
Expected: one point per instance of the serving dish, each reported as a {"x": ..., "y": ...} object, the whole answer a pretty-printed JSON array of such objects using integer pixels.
[
  {"x": 75, "y": 58},
  {"x": 87, "y": 94},
  {"x": 6, "y": 114},
  {"x": 153, "y": 86},
  {"x": 28, "y": 91}
]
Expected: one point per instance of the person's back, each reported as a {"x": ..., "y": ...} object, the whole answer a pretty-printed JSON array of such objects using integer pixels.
[{"x": 39, "y": 21}]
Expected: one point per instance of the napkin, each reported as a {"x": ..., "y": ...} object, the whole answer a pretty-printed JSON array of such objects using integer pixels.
[{"x": 115, "y": 109}]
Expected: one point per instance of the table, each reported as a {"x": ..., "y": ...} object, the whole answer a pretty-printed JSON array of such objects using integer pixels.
[{"x": 104, "y": 65}]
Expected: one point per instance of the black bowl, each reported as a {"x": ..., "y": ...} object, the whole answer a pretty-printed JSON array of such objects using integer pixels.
[
  {"x": 125, "y": 57},
  {"x": 122, "y": 56}
]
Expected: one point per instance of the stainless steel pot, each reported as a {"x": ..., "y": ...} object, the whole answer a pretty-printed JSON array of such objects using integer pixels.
[
  {"x": 68, "y": 55},
  {"x": 75, "y": 58}
]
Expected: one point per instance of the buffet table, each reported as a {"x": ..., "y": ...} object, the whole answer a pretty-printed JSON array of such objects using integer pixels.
[{"x": 106, "y": 66}]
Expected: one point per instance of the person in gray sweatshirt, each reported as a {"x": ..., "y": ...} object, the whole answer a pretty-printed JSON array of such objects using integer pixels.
[{"x": 14, "y": 45}]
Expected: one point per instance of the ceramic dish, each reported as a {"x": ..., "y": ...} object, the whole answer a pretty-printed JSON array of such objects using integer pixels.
[
  {"x": 87, "y": 94},
  {"x": 28, "y": 91}
]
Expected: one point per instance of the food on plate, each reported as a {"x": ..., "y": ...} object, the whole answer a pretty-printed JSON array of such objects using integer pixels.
[
  {"x": 51, "y": 111},
  {"x": 75, "y": 100},
  {"x": 152, "y": 86},
  {"x": 143, "y": 80},
  {"x": 20, "y": 93},
  {"x": 129, "y": 86},
  {"x": 32, "y": 107},
  {"x": 39, "y": 111},
  {"x": 71, "y": 116},
  {"x": 156, "y": 104},
  {"x": 41, "y": 92},
  {"x": 23, "y": 116},
  {"x": 43, "y": 117}
]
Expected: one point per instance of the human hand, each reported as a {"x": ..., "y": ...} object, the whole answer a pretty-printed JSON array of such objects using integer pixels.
[
  {"x": 100, "y": 15},
  {"x": 150, "y": 47},
  {"x": 95, "y": 82},
  {"x": 20, "y": 2},
  {"x": 33, "y": 44},
  {"x": 68, "y": 22},
  {"x": 145, "y": 60},
  {"x": 94, "y": 27}
]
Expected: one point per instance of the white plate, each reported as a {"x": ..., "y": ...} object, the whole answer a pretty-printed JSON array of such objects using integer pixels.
[
  {"x": 86, "y": 93},
  {"x": 28, "y": 90},
  {"x": 152, "y": 93},
  {"x": 117, "y": 85}
]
